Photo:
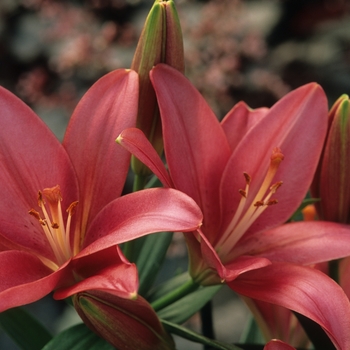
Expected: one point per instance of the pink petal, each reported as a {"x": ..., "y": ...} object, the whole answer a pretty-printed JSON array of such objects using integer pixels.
[
  {"x": 121, "y": 280},
  {"x": 107, "y": 108},
  {"x": 278, "y": 322},
  {"x": 195, "y": 145},
  {"x": 239, "y": 120},
  {"x": 306, "y": 242},
  {"x": 107, "y": 270},
  {"x": 304, "y": 290},
  {"x": 141, "y": 213},
  {"x": 31, "y": 159},
  {"x": 135, "y": 141},
  {"x": 297, "y": 124},
  {"x": 231, "y": 270},
  {"x": 25, "y": 279}
]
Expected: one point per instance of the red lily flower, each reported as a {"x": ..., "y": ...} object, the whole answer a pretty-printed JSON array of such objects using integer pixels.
[
  {"x": 43, "y": 248},
  {"x": 234, "y": 171}
]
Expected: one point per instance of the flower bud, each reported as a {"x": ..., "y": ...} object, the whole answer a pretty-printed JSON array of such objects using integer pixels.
[
  {"x": 160, "y": 42},
  {"x": 331, "y": 183},
  {"x": 124, "y": 323}
]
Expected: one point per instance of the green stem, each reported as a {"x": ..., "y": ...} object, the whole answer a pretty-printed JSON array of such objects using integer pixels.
[
  {"x": 175, "y": 295},
  {"x": 139, "y": 182},
  {"x": 129, "y": 248}
]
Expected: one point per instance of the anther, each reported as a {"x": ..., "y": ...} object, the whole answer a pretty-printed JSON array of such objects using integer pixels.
[
  {"x": 72, "y": 208},
  {"x": 277, "y": 155},
  {"x": 248, "y": 178},
  {"x": 242, "y": 193},
  {"x": 276, "y": 186}
]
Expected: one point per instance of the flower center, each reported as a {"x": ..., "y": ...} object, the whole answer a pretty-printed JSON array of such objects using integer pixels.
[
  {"x": 246, "y": 214},
  {"x": 52, "y": 222}
]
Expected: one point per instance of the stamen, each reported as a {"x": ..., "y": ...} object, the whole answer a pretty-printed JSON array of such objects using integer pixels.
[
  {"x": 240, "y": 223},
  {"x": 53, "y": 225}
]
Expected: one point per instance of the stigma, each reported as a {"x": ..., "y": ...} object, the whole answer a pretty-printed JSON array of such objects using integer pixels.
[
  {"x": 56, "y": 230},
  {"x": 252, "y": 206}
]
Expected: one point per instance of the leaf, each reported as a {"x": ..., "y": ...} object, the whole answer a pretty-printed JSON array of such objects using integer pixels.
[
  {"x": 195, "y": 337},
  {"x": 24, "y": 329},
  {"x": 168, "y": 286},
  {"x": 78, "y": 337},
  {"x": 151, "y": 257},
  {"x": 183, "y": 309}
]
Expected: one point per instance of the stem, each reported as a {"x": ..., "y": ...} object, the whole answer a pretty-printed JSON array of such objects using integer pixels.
[
  {"x": 130, "y": 247},
  {"x": 175, "y": 295},
  {"x": 207, "y": 322},
  {"x": 139, "y": 182}
]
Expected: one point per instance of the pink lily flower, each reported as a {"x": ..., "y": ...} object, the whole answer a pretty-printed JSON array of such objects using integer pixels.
[
  {"x": 61, "y": 214},
  {"x": 249, "y": 174}
]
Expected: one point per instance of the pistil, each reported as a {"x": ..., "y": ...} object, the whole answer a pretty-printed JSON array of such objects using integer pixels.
[{"x": 244, "y": 217}]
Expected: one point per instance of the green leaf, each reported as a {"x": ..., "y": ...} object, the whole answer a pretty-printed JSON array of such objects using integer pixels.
[
  {"x": 78, "y": 337},
  {"x": 195, "y": 337},
  {"x": 24, "y": 329},
  {"x": 168, "y": 286},
  {"x": 150, "y": 258},
  {"x": 183, "y": 309}
]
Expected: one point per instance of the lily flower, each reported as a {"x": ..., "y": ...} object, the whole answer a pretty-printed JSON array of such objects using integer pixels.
[
  {"x": 61, "y": 214},
  {"x": 249, "y": 174}
]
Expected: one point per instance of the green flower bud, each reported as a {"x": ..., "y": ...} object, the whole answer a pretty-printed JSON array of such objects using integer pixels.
[{"x": 160, "y": 42}]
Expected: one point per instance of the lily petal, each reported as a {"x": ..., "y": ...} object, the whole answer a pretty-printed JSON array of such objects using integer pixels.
[
  {"x": 107, "y": 270},
  {"x": 230, "y": 271},
  {"x": 120, "y": 280},
  {"x": 297, "y": 124},
  {"x": 239, "y": 120},
  {"x": 107, "y": 108},
  {"x": 31, "y": 159},
  {"x": 128, "y": 217},
  {"x": 203, "y": 154},
  {"x": 136, "y": 142},
  {"x": 25, "y": 279},
  {"x": 298, "y": 288},
  {"x": 306, "y": 242}
]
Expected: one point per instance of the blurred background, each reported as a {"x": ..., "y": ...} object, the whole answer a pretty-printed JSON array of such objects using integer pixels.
[{"x": 51, "y": 52}]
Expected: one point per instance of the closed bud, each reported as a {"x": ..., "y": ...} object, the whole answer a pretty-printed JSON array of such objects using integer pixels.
[
  {"x": 331, "y": 183},
  {"x": 124, "y": 323},
  {"x": 160, "y": 42}
]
